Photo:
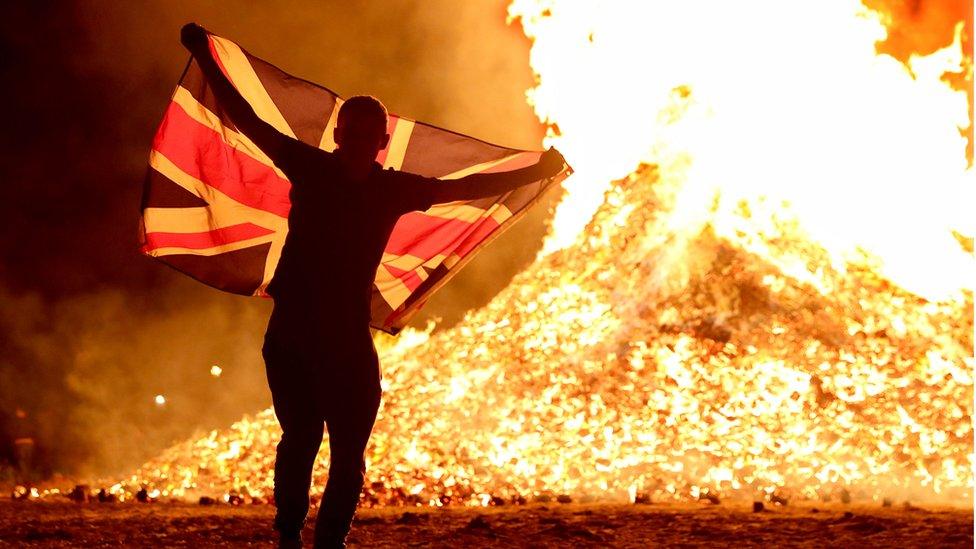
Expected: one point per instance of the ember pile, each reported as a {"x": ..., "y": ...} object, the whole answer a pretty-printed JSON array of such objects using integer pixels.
[
  {"x": 588, "y": 377},
  {"x": 705, "y": 335}
]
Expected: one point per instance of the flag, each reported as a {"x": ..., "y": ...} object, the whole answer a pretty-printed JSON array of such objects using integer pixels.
[{"x": 216, "y": 208}]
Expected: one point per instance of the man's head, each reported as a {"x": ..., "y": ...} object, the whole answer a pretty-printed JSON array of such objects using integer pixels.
[{"x": 360, "y": 131}]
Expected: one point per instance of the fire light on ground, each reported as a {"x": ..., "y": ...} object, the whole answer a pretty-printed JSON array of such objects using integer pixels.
[{"x": 772, "y": 300}]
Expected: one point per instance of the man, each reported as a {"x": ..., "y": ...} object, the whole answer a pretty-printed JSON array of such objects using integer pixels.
[{"x": 318, "y": 350}]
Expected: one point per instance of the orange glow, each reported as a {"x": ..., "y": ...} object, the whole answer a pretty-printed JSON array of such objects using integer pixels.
[{"x": 784, "y": 110}]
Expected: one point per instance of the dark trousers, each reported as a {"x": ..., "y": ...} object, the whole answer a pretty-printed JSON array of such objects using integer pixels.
[{"x": 336, "y": 384}]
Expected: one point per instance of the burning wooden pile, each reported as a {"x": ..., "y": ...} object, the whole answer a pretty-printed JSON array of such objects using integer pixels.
[{"x": 644, "y": 365}]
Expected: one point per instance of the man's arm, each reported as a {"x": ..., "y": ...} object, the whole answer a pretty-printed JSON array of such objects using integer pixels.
[
  {"x": 271, "y": 141},
  {"x": 483, "y": 185}
]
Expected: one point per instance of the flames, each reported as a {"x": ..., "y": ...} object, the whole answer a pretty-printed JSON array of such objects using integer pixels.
[
  {"x": 758, "y": 284},
  {"x": 786, "y": 109}
]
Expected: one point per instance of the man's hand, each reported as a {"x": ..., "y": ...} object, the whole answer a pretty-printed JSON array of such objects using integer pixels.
[
  {"x": 193, "y": 37},
  {"x": 551, "y": 162}
]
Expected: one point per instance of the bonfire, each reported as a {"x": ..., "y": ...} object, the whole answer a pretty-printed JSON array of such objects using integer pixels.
[{"x": 758, "y": 286}]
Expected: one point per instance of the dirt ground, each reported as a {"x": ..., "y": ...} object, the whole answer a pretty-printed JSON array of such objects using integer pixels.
[{"x": 67, "y": 524}]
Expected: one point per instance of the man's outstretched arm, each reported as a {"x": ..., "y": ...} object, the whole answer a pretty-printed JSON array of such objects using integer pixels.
[
  {"x": 483, "y": 185},
  {"x": 264, "y": 135}
]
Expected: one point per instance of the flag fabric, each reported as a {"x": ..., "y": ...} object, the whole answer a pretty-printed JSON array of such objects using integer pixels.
[{"x": 216, "y": 208}]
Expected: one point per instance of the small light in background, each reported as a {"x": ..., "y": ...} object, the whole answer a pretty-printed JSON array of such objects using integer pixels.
[
  {"x": 160, "y": 400},
  {"x": 215, "y": 370}
]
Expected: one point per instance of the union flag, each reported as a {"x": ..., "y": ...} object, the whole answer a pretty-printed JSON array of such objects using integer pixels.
[{"x": 216, "y": 208}]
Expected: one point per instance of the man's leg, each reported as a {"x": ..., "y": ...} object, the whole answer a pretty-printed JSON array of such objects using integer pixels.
[
  {"x": 351, "y": 412},
  {"x": 292, "y": 392}
]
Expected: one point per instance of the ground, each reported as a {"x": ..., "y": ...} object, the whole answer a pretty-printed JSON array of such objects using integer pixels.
[{"x": 53, "y": 524}]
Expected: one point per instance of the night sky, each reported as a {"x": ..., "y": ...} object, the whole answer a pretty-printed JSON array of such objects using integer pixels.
[{"x": 91, "y": 330}]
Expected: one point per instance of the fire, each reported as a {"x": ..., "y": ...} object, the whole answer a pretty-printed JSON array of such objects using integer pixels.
[
  {"x": 757, "y": 285},
  {"x": 785, "y": 109}
]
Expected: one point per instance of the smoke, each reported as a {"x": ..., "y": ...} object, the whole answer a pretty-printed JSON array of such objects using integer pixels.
[
  {"x": 86, "y": 370},
  {"x": 90, "y": 331}
]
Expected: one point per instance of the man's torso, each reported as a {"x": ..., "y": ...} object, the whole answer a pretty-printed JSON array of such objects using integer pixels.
[{"x": 337, "y": 231}]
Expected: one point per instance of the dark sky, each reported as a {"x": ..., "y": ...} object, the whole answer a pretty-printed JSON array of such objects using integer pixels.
[{"x": 90, "y": 330}]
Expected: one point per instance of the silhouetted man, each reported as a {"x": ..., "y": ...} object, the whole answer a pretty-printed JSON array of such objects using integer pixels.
[{"x": 318, "y": 349}]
